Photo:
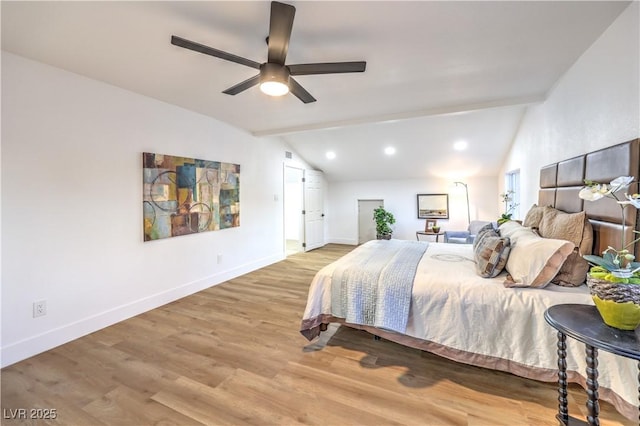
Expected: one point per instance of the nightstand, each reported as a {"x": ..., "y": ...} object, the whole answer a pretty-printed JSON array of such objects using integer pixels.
[
  {"x": 437, "y": 235},
  {"x": 583, "y": 323}
]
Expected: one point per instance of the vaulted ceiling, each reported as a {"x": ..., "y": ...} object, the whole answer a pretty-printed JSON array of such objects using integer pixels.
[{"x": 438, "y": 72}]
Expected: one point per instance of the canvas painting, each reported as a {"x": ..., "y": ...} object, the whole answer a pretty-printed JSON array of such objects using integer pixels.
[
  {"x": 186, "y": 196},
  {"x": 433, "y": 206}
]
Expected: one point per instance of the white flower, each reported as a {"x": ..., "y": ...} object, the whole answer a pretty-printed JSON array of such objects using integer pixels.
[
  {"x": 621, "y": 182},
  {"x": 633, "y": 200},
  {"x": 594, "y": 192}
]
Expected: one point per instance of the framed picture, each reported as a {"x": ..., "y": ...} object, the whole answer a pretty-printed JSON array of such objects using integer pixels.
[
  {"x": 184, "y": 195},
  {"x": 433, "y": 206},
  {"x": 430, "y": 223}
]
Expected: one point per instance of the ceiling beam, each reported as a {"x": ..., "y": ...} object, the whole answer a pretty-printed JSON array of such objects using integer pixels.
[{"x": 444, "y": 110}]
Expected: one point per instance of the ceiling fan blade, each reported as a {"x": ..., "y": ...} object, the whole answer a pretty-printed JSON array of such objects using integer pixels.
[
  {"x": 241, "y": 87},
  {"x": 181, "y": 42},
  {"x": 327, "y": 68},
  {"x": 300, "y": 92},
  {"x": 280, "y": 31}
]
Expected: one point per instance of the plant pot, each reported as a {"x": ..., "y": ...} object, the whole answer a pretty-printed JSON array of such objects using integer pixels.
[
  {"x": 384, "y": 237},
  {"x": 617, "y": 303}
]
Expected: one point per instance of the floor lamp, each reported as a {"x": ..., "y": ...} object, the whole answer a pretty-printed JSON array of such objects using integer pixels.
[{"x": 466, "y": 190}]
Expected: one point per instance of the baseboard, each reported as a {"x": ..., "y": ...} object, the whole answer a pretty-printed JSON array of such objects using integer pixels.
[
  {"x": 34, "y": 345},
  {"x": 347, "y": 241}
]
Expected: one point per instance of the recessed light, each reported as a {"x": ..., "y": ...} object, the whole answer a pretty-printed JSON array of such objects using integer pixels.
[
  {"x": 389, "y": 150},
  {"x": 460, "y": 145},
  {"x": 331, "y": 155}
]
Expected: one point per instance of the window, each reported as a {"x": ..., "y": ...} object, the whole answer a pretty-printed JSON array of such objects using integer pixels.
[{"x": 512, "y": 187}]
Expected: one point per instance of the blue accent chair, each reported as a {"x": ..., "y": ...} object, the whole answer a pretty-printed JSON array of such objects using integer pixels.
[{"x": 468, "y": 236}]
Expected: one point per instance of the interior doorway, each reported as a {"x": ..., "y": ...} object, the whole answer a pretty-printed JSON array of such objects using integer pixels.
[
  {"x": 366, "y": 224},
  {"x": 293, "y": 207}
]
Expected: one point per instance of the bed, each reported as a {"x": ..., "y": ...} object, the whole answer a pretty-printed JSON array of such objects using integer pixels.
[{"x": 494, "y": 321}]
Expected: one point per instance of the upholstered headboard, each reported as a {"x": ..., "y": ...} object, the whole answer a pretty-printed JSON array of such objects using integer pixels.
[{"x": 560, "y": 183}]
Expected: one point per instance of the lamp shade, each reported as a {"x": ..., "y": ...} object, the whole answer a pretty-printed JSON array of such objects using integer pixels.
[{"x": 274, "y": 79}]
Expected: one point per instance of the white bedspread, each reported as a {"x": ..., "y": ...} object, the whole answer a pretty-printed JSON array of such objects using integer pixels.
[{"x": 478, "y": 321}]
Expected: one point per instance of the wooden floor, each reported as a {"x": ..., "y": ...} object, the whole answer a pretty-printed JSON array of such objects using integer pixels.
[{"x": 232, "y": 354}]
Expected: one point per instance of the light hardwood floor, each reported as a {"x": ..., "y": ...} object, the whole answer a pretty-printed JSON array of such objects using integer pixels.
[{"x": 232, "y": 354}]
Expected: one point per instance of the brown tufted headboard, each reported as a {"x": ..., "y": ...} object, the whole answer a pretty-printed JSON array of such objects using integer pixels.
[{"x": 560, "y": 183}]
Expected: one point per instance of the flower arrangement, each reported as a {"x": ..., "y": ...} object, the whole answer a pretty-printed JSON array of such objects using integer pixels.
[
  {"x": 615, "y": 265},
  {"x": 614, "y": 278},
  {"x": 509, "y": 206}
]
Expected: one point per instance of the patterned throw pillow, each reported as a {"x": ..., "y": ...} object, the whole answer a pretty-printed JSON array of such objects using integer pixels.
[
  {"x": 486, "y": 228},
  {"x": 490, "y": 252}
]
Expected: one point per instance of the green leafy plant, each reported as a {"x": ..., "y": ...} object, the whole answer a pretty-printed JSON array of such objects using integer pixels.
[
  {"x": 384, "y": 220},
  {"x": 505, "y": 217}
]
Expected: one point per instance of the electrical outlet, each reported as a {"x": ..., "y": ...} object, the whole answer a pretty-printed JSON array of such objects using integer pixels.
[
  {"x": 39, "y": 308},
  {"x": 219, "y": 259}
]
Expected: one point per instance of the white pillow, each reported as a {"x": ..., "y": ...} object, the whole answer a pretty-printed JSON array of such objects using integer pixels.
[{"x": 533, "y": 260}]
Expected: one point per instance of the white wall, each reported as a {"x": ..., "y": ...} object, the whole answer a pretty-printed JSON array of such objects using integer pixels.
[
  {"x": 594, "y": 105},
  {"x": 400, "y": 198},
  {"x": 72, "y": 205}
]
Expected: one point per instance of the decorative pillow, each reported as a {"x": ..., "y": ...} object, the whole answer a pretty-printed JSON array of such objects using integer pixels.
[
  {"x": 574, "y": 227},
  {"x": 476, "y": 225},
  {"x": 534, "y": 216},
  {"x": 533, "y": 261},
  {"x": 486, "y": 228},
  {"x": 491, "y": 253}
]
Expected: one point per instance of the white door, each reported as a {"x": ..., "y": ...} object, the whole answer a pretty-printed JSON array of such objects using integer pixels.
[
  {"x": 314, "y": 210},
  {"x": 366, "y": 224}
]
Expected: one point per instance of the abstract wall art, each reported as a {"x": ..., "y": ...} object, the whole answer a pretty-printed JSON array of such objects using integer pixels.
[{"x": 187, "y": 196}]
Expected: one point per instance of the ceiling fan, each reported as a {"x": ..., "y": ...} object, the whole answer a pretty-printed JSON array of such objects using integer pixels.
[{"x": 275, "y": 77}]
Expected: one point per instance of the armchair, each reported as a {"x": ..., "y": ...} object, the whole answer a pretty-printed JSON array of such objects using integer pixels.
[{"x": 466, "y": 237}]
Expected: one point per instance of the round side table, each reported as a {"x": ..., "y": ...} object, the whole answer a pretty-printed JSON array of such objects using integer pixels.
[{"x": 583, "y": 323}]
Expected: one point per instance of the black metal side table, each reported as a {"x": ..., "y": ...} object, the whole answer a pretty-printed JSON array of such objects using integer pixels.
[{"x": 583, "y": 323}]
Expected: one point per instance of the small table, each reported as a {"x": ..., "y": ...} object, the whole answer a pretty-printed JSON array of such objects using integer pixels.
[
  {"x": 437, "y": 235},
  {"x": 583, "y": 323}
]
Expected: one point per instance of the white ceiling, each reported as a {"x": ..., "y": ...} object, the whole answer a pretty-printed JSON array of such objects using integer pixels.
[{"x": 437, "y": 72}]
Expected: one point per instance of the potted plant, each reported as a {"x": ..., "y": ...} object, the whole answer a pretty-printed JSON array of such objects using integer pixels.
[
  {"x": 614, "y": 278},
  {"x": 509, "y": 206},
  {"x": 384, "y": 220}
]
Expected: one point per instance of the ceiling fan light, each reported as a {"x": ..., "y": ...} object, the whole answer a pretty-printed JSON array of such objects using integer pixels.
[
  {"x": 274, "y": 88},
  {"x": 274, "y": 79}
]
